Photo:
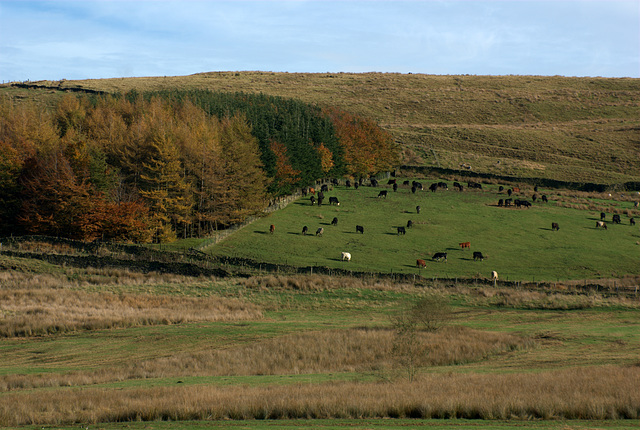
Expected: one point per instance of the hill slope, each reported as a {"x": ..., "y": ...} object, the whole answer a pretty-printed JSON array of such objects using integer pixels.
[{"x": 574, "y": 129}]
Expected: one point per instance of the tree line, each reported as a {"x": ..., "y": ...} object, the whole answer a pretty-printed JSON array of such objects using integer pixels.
[{"x": 172, "y": 164}]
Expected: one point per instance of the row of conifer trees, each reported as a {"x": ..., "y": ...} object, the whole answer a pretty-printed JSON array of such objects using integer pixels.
[{"x": 156, "y": 166}]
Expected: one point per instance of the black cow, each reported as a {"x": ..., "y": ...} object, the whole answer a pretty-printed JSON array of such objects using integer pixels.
[
  {"x": 320, "y": 195},
  {"x": 395, "y": 187},
  {"x": 304, "y": 192},
  {"x": 507, "y": 202},
  {"x": 320, "y": 199},
  {"x": 356, "y": 185},
  {"x": 334, "y": 200},
  {"x": 632, "y": 221},
  {"x": 383, "y": 193},
  {"x": 319, "y": 231},
  {"x": 401, "y": 230},
  {"x": 602, "y": 216},
  {"x": 418, "y": 186},
  {"x": 348, "y": 183},
  {"x": 525, "y": 203},
  {"x": 409, "y": 224},
  {"x": 433, "y": 187},
  {"x": 413, "y": 190},
  {"x": 324, "y": 187},
  {"x": 313, "y": 200},
  {"x": 509, "y": 192},
  {"x": 544, "y": 198},
  {"x": 616, "y": 219},
  {"x": 391, "y": 181},
  {"x": 374, "y": 182},
  {"x": 500, "y": 202},
  {"x": 477, "y": 255},
  {"x": 443, "y": 185},
  {"x": 475, "y": 185},
  {"x": 406, "y": 182},
  {"x": 334, "y": 221},
  {"x": 458, "y": 185},
  {"x": 360, "y": 229},
  {"x": 418, "y": 209},
  {"x": 534, "y": 197},
  {"x": 305, "y": 229},
  {"x": 439, "y": 256},
  {"x": 555, "y": 226},
  {"x": 500, "y": 189}
]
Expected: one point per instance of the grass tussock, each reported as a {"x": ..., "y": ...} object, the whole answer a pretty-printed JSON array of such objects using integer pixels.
[
  {"x": 32, "y": 312},
  {"x": 600, "y": 393}
]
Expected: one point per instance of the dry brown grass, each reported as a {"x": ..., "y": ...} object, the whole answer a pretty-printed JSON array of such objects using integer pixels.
[
  {"x": 585, "y": 393},
  {"x": 354, "y": 350},
  {"x": 320, "y": 283}
]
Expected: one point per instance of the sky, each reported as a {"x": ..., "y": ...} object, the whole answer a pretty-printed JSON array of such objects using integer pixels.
[{"x": 87, "y": 39}]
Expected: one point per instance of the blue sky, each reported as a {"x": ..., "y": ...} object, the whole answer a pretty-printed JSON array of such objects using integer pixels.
[{"x": 107, "y": 39}]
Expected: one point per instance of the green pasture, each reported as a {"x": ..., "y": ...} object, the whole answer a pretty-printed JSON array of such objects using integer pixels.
[{"x": 518, "y": 243}]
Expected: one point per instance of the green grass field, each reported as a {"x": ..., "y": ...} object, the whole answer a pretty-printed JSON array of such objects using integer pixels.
[{"x": 518, "y": 243}]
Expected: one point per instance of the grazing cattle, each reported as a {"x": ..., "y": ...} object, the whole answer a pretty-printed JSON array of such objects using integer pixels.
[
  {"x": 335, "y": 182},
  {"x": 507, "y": 202},
  {"x": 418, "y": 185},
  {"x": 324, "y": 187},
  {"x": 458, "y": 186},
  {"x": 374, "y": 182},
  {"x": 525, "y": 203},
  {"x": 602, "y": 216},
  {"x": 348, "y": 183},
  {"x": 535, "y": 188},
  {"x": 406, "y": 182},
  {"x": 334, "y": 200},
  {"x": 313, "y": 200},
  {"x": 320, "y": 195},
  {"x": 464, "y": 245},
  {"x": 475, "y": 185},
  {"x": 516, "y": 189},
  {"x": 601, "y": 224},
  {"x": 500, "y": 189},
  {"x": 395, "y": 187},
  {"x": 477, "y": 255},
  {"x": 383, "y": 193},
  {"x": 356, "y": 185},
  {"x": 439, "y": 256},
  {"x": 544, "y": 198},
  {"x": 320, "y": 199},
  {"x": 346, "y": 256},
  {"x": 632, "y": 221},
  {"x": 443, "y": 185},
  {"x": 616, "y": 219},
  {"x": 319, "y": 231},
  {"x": 421, "y": 263},
  {"x": 401, "y": 230},
  {"x": 555, "y": 226},
  {"x": 305, "y": 229},
  {"x": 433, "y": 187},
  {"x": 334, "y": 221},
  {"x": 409, "y": 224},
  {"x": 312, "y": 190},
  {"x": 391, "y": 181},
  {"x": 359, "y": 229},
  {"x": 534, "y": 197},
  {"x": 494, "y": 275},
  {"x": 272, "y": 228},
  {"x": 304, "y": 192},
  {"x": 413, "y": 190},
  {"x": 417, "y": 209},
  {"x": 500, "y": 202}
]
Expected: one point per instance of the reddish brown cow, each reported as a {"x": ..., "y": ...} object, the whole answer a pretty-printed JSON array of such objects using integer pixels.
[
  {"x": 421, "y": 263},
  {"x": 464, "y": 245},
  {"x": 272, "y": 228}
]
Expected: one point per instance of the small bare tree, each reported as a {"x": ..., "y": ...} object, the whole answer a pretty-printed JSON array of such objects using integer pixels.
[{"x": 426, "y": 314}]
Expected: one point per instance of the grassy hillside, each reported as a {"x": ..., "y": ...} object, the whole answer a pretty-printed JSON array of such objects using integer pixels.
[
  {"x": 518, "y": 243},
  {"x": 574, "y": 129}
]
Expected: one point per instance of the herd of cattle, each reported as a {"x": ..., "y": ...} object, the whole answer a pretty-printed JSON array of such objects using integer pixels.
[{"x": 317, "y": 198}]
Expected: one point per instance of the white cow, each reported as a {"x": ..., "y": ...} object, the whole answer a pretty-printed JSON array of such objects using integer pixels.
[
  {"x": 346, "y": 256},
  {"x": 494, "y": 275}
]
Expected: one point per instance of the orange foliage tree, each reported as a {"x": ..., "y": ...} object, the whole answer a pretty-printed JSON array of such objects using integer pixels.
[{"x": 286, "y": 176}]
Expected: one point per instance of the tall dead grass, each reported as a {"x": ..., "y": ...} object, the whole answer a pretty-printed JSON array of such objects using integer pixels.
[
  {"x": 31, "y": 312},
  {"x": 353, "y": 350},
  {"x": 585, "y": 393}
]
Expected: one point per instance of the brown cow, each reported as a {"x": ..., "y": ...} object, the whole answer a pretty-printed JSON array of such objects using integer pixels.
[
  {"x": 555, "y": 226},
  {"x": 464, "y": 245},
  {"x": 601, "y": 224},
  {"x": 421, "y": 263},
  {"x": 272, "y": 228}
]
